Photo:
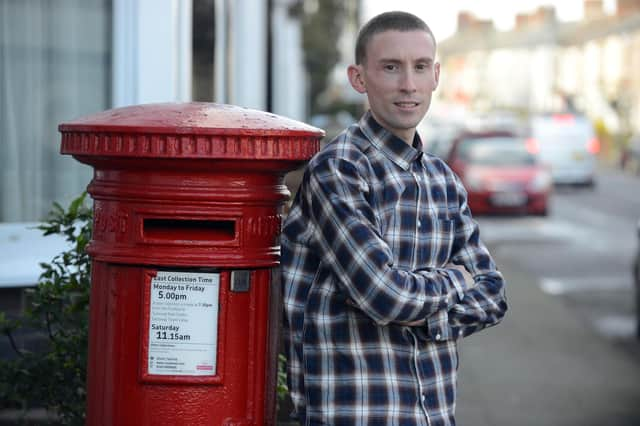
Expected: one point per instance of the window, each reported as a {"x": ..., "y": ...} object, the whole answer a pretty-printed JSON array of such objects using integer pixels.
[
  {"x": 55, "y": 65},
  {"x": 203, "y": 49}
]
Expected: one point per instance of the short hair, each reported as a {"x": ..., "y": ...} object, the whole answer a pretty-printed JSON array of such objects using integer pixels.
[{"x": 388, "y": 21}]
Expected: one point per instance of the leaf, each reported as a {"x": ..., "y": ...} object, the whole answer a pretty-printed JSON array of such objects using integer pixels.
[{"x": 76, "y": 204}]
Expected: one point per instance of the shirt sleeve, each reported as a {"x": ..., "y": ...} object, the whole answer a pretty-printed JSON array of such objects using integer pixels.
[
  {"x": 348, "y": 237},
  {"x": 483, "y": 304}
]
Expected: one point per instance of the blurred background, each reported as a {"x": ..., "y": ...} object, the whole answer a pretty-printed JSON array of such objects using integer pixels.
[{"x": 538, "y": 110}]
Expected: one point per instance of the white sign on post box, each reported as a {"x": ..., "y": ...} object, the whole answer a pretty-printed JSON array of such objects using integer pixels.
[{"x": 183, "y": 323}]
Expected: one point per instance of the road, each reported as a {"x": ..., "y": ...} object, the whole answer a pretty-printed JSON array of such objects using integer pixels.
[{"x": 566, "y": 352}]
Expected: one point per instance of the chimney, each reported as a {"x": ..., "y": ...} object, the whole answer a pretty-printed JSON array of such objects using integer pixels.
[
  {"x": 467, "y": 23},
  {"x": 522, "y": 21},
  {"x": 627, "y": 7},
  {"x": 545, "y": 15},
  {"x": 593, "y": 9}
]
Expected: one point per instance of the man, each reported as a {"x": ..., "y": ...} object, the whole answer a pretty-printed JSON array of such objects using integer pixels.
[{"x": 371, "y": 250}]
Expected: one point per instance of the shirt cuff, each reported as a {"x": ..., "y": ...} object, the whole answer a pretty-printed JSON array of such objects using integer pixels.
[
  {"x": 459, "y": 284},
  {"x": 438, "y": 326}
]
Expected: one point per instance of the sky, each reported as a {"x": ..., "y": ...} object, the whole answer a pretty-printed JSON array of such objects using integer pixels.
[{"x": 441, "y": 16}]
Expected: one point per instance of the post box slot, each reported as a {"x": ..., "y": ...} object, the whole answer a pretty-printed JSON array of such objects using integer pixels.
[{"x": 189, "y": 229}]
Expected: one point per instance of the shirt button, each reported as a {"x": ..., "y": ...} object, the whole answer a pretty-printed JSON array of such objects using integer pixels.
[{"x": 438, "y": 336}]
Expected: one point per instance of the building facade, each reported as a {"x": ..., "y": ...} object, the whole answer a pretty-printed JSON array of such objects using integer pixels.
[
  {"x": 544, "y": 65},
  {"x": 69, "y": 58}
]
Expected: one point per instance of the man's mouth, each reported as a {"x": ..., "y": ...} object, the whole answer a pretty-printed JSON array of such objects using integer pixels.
[{"x": 406, "y": 104}]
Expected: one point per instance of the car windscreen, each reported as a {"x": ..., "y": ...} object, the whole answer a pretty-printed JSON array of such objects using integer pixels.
[
  {"x": 566, "y": 130},
  {"x": 499, "y": 151}
]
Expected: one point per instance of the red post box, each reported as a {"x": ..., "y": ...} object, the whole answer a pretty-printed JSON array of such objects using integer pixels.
[{"x": 187, "y": 211}]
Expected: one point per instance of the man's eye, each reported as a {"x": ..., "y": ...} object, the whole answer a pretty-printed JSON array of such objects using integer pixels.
[
  {"x": 390, "y": 67},
  {"x": 422, "y": 67}
]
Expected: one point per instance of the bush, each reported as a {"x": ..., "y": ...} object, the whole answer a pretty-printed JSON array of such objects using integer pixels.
[{"x": 59, "y": 306}]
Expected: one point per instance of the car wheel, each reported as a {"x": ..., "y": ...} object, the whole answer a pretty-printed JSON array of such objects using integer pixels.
[
  {"x": 590, "y": 184},
  {"x": 542, "y": 213}
]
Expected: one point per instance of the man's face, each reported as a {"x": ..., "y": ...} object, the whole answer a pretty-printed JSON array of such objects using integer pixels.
[{"x": 399, "y": 76}]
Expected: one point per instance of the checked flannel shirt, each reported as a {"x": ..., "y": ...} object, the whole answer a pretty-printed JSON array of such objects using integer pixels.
[{"x": 368, "y": 248}]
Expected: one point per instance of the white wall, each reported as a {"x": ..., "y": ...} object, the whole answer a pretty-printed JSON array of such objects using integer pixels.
[
  {"x": 151, "y": 51},
  {"x": 289, "y": 78},
  {"x": 248, "y": 55}
]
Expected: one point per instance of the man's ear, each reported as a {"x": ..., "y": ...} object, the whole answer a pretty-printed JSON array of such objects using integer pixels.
[
  {"x": 436, "y": 70},
  {"x": 355, "y": 78}
]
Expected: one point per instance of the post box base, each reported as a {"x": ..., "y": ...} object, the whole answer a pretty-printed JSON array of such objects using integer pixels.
[{"x": 124, "y": 389}]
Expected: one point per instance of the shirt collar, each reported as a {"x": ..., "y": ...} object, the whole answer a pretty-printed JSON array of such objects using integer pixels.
[{"x": 389, "y": 144}]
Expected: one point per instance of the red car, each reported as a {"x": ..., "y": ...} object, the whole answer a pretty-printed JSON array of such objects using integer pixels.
[{"x": 501, "y": 173}]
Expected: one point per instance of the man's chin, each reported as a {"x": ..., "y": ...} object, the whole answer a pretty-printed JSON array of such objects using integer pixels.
[
  {"x": 409, "y": 124},
  {"x": 406, "y": 121},
  {"x": 409, "y": 117}
]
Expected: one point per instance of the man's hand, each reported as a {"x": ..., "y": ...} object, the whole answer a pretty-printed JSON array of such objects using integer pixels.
[{"x": 467, "y": 276}]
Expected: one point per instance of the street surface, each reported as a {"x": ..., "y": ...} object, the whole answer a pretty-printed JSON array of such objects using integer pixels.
[{"x": 565, "y": 353}]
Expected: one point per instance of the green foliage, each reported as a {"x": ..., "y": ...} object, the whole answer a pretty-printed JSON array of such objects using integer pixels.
[
  {"x": 322, "y": 29},
  {"x": 59, "y": 307},
  {"x": 281, "y": 388}
]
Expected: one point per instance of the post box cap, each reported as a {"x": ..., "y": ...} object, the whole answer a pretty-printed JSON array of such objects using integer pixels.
[
  {"x": 196, "y": 130},
  {"x": 190, "y": 118}
]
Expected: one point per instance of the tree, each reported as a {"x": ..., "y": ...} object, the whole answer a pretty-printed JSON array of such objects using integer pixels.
[{"x": 322, "y": 25}]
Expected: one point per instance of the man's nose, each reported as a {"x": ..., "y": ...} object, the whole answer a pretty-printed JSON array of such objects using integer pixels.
[{"x": 408, "y": 81}]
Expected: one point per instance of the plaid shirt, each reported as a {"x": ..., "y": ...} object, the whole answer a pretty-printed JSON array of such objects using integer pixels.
[{"x": 367, "y": 249}]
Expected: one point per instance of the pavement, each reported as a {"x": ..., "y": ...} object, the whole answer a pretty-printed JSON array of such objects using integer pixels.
[{"x": 544, "y": 366}]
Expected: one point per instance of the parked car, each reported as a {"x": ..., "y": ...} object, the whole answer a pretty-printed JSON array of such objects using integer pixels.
[
  {"x": 441, "y": 141},
  {"x": 567, "y": 143},
  {"x": 636, "y": 280},
  {"x": 501, "y": 173}
]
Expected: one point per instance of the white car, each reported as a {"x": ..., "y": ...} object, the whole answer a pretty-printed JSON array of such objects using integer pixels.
[{"x": 568, "y": 145}]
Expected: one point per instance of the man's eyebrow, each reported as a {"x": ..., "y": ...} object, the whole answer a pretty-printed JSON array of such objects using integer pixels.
[{"x": 425, "y": 59}]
